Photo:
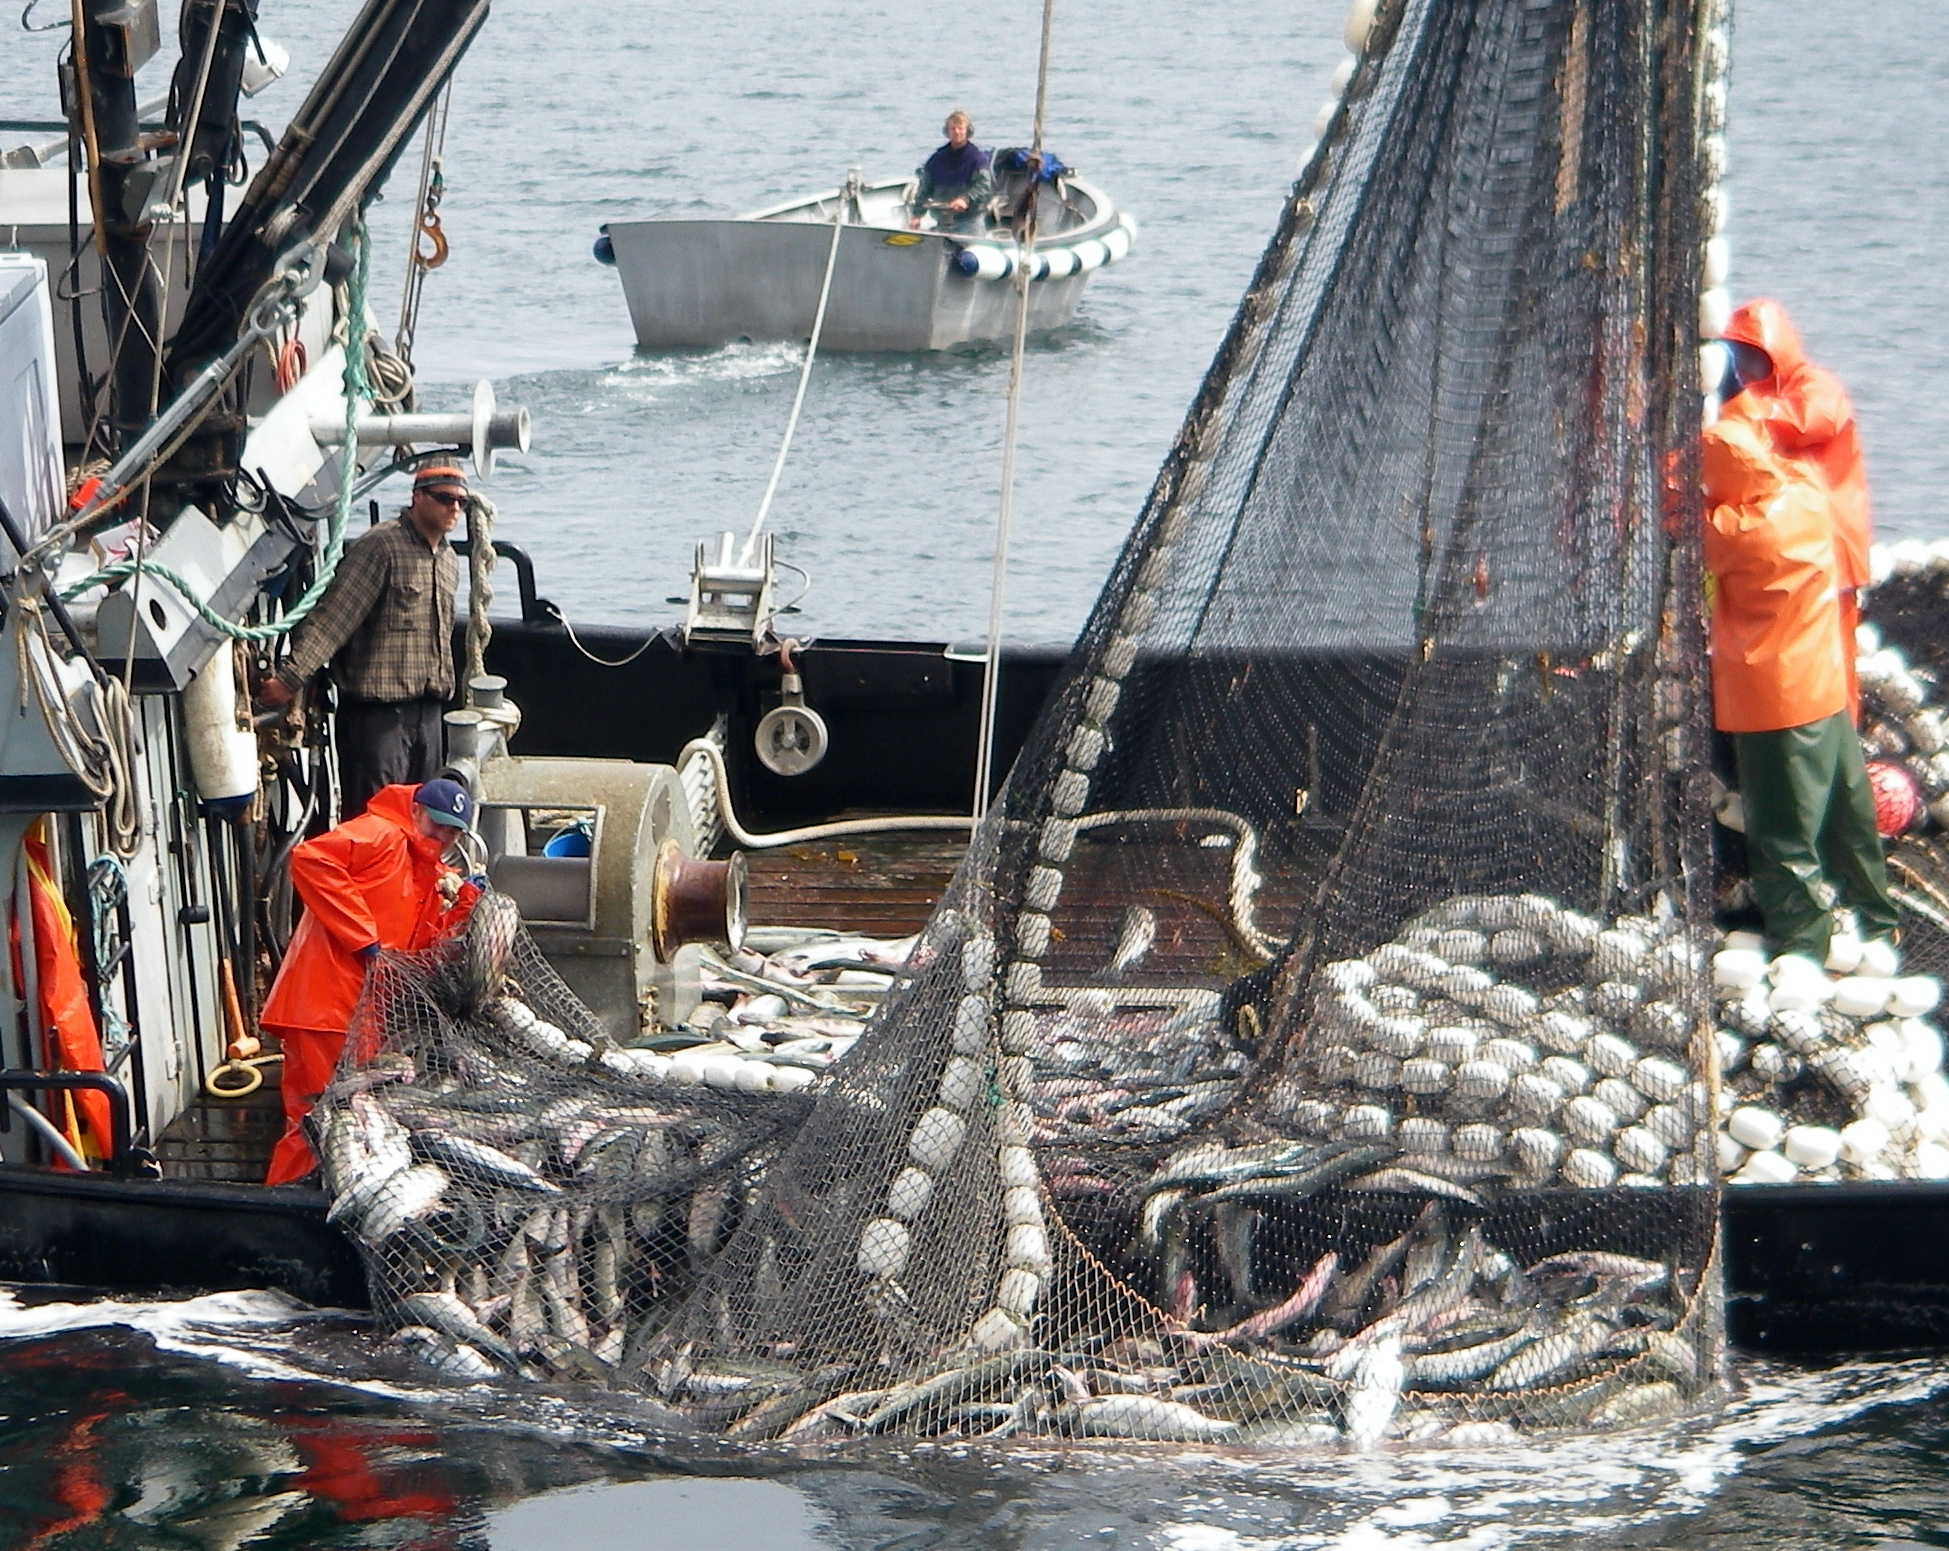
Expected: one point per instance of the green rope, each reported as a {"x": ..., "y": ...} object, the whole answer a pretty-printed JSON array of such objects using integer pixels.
[{"x": 357, "y": 393}]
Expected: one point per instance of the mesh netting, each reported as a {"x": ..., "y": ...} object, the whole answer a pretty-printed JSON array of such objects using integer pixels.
[
  {"x": 526, "y": 1196},
  {"x": 1314, "y": 1043}
]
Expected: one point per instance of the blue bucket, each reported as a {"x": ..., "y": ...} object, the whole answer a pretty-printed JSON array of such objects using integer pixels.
[{"x": 570, "y": 842}]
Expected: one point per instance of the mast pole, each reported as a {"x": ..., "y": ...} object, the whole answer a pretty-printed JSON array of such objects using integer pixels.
[{"x": 112, "y": 41}]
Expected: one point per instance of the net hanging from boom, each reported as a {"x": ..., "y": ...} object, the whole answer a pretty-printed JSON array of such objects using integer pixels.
[
  {"x": 1313, "y": 1044},
  {"x": 1310, "y": 1045}
]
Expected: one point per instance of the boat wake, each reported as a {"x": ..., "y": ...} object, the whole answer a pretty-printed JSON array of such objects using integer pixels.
[{"x": 1166, "y": 1497}]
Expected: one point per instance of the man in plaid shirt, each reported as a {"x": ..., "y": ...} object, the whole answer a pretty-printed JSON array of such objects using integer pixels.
[{"x": 385, "y": 626}]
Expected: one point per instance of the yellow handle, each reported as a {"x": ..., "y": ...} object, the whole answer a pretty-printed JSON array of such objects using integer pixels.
[{"x": 252, "y": 1077}]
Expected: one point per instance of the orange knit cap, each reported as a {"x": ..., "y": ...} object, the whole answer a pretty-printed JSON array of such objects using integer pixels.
[{"x": 439, "y": 474}]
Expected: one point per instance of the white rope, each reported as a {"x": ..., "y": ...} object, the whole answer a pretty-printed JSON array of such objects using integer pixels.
[
  {"x": 805, "y": 368},
  {"x": 480, "y": 593},
  {"x": 998, "y": 580},
  {"x": 712, "y": 755}
]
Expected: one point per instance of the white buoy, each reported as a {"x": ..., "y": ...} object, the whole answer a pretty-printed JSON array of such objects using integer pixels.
[
  {"x": 1753, "y": 1127},
  {"x": 222, "y": 754},
  {"x": 883, "y": 1248},
  {"x": 1766, "y": 1168},
  {"x": 1360, "y": 26},
  {"x": 1091, "y": 254},
  {"x": 1863, "y": 1141},
  {"x": 1715, "y": 311},
  {"x": 1879, "y": 958},
  {"x": 1812, "y": 1147},
  {"x": 1588, "y": 1169},
  {"x": 1914, "y": 996}
]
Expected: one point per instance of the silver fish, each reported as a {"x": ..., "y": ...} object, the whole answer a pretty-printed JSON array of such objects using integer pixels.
[
  {"x": 1553, "y": 1353},
  {"x": 455, "y": 1358},
  {"x": 954, "y": 1386},
  {"x": 479, "y": 1162},
  {"x": 1413, "y": 1182},
  {"x": 1373, "y": 1392},
  {"x": 1465, "y": 1364},
  {"x": 1145, "y": 1417},
  {"x": 448, "y": 1315},
  {"x": 1135, "y": 938},
  {"x": 409, "y": 1195}
]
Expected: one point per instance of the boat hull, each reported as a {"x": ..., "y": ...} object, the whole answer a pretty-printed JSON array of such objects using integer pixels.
[
  {"x": 692, "y": 284},
  {"x": 1810, "y": 1271},
  {"x": 164, "y": 1236}
]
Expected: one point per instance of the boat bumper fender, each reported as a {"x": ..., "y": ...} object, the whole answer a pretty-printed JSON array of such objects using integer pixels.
[
  {"x": 605, "y": 250},
  {"x": 980, "y": 262}
]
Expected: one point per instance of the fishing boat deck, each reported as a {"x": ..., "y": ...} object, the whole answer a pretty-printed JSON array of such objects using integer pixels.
[
  {"x": 876, "y": 886},
  {"x": 886, "y": 887}
]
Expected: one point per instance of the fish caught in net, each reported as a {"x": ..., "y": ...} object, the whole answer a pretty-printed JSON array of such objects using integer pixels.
[
  {"x": 1316, "y": 1043},
  {"x": 526, "y": 1195}
]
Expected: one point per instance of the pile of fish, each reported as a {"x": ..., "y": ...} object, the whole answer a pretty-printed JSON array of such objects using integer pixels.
[
  {"x": 1106, "y": 1071},
  {"x": 1434, "y": 1335},
  {"x": 1507, "y": 1038},
  {"x": 525, "y": 1203},
  {"x": 771, "y": 1022},
  {"x": 1828, "y": 1076}
]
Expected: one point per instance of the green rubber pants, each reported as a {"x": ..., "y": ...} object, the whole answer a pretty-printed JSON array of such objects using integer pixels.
[{"x": 1810, "y": 824}]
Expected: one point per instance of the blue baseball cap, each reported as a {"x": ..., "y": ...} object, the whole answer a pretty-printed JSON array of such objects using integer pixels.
[{"x": 448, "y": 801}]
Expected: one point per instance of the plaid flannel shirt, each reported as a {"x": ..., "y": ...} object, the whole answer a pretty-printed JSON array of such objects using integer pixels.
[{"x": 386, "y": 622}]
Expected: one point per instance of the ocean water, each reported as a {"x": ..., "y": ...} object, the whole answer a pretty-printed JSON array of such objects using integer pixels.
[
  {"x": 240, "y": 1420},
  {"x": 1193, "y": 117}
]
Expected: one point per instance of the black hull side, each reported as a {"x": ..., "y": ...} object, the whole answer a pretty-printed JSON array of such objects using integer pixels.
[
  {"x": 160, "y": 1236},
  {"x": 1811, "y": 1271},
  {"x": 1833, "y": 1270}
]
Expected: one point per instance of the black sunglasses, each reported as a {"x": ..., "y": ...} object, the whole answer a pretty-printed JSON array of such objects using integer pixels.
[{"x": 446, "y": 497}]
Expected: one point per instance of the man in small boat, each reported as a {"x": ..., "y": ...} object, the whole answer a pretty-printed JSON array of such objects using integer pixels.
[
  {"x": 1781, "y": 685},
  {"x": 955, "y": 183},
  {"x": 385, "y": 625},
  {"x": 376, "y": 881}
]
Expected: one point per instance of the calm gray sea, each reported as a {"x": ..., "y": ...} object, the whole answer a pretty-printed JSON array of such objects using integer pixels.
[{"x": 231, "y": 1422}]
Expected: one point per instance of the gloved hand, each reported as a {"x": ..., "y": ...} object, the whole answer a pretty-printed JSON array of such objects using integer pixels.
[
  {"x": 480, "y": 881},
  {"x": 368, "y": 953}
]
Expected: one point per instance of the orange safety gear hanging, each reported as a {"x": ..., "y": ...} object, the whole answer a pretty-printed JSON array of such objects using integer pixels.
[{"x": 66, "y": 1014}]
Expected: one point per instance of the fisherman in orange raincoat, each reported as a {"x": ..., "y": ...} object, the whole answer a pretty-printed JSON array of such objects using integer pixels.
[
  {"x": 1781, "y": 686},
  {"x": 377, "y": 881},
  {"x": 1806, "y": 415}
]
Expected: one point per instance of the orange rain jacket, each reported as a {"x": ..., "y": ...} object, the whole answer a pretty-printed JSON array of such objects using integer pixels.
[
  {"x": 1777, "y": 654},
  {"x": 1806, "y": 414},
  {"x": 374, "y": 879}
]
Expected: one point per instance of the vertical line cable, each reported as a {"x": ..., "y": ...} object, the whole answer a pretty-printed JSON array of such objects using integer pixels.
[
  {"x": 998, "y": 580},
  {"x": 849, "y": 192}
]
